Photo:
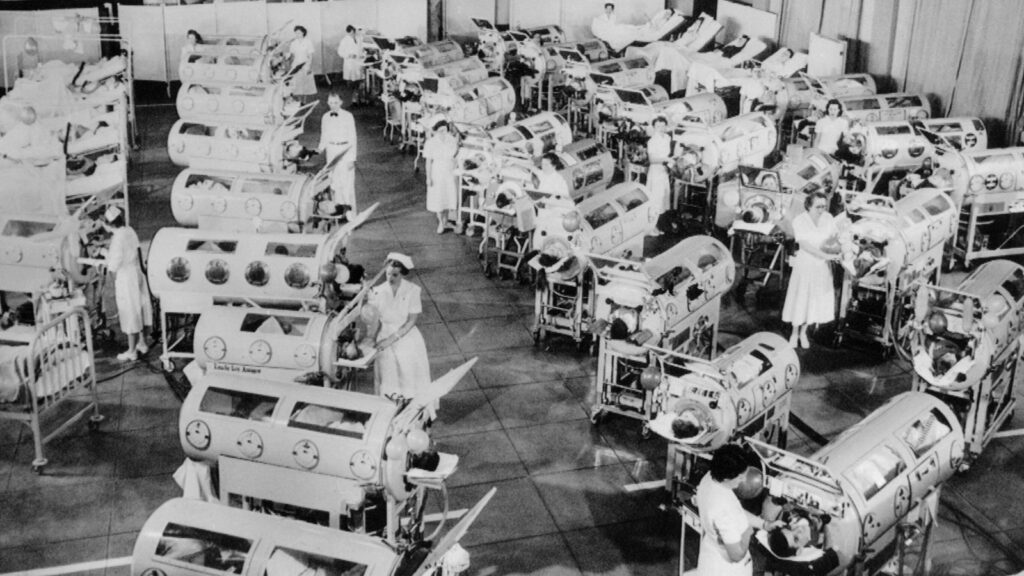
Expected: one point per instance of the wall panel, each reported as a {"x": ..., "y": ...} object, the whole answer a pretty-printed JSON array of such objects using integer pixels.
[
  {"x": 291, "y": 15},
  {"x": 529, "y": 13},
  {"x": 991, "y": 58},
  {"x": 178, "y": 20},
  {"x": 334, "y": 18},
  {"x": 242, "y": 18},
  {"x": 402, "y": 18},
  {"x": 737, "y": 19},
  {"x": 143, "y": 26},
  {"x": 936, "y": 42},
  {"x": 799, "y": 18},
  {"x": 457, "y": 14}
]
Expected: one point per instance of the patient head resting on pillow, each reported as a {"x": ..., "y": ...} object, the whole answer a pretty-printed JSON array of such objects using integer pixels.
[
  {"x": 785, "y": 541},
  {"x": 687, "y": 425}
]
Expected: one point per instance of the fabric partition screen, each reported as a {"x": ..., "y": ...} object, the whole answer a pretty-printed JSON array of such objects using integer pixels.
[
  {"x": 242, "y": 18},
  {"x": 143, "y": 26},
  {"x": 457, "y": 14},
  {"x": 935, "y": 45},
  {"x": 990, "y": 65},
  {"x": 178, "y": 20},
  {"x": 799, "y": 19}
]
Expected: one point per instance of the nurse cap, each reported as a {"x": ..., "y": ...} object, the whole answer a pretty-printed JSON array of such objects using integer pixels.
[{"x": 401, "y": 259}]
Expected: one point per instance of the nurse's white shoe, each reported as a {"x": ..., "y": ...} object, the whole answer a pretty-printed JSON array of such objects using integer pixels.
[
  {"x": 127, "y": 356},
  {"x": 142, "y": 348}
]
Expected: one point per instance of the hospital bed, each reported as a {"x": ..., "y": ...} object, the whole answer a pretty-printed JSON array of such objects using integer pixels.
[
  {"x": 43, "y": 368},
  {"x": 69, "y": 81},
  {"x": 662, "y": 26}
]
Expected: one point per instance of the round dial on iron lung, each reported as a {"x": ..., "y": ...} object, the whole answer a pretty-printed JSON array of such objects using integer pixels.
[
  {"x": 259, "y": 351},
  {"x": 306, "y": 454},
  {"x": 305, "y": 356},
  {"x": 250, "y": 444},
  {"x": 198, "y": 434},
  {"x": 214, "y": 347},
  {"x": 363, "y": 465}
]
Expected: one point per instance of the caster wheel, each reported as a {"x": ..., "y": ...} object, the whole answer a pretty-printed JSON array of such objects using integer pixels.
[
  {"x": 168, "y": 366},
  {"x": 645, "y": 431},
  {"x": 94, "y": 422},
  {"x": 38, "y": 466},
  {"x": 595, "y": 417},
  {"x": 38, "y": 470}
]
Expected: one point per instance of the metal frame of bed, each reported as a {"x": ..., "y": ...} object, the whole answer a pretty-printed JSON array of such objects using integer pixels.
[{"x": 55, "y": 364}]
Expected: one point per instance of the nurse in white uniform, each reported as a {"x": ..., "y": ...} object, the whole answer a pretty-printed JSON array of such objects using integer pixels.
[
  {"x": 549, "y": 180},
  {"x": 338, "y": 138},
  {"x": 134, "y": 308},
  {"x": 726, "y": 526},
  {"x": 401, "y": 365},
  {"x": 810, "y": 296},
  {"x": 659, "y": 151},
  {"x": 301, "y": 49},
  {"x": 192, "y": 42},
  {"x": 442, "y": 195},
  {"x": 828, "y": 130}
]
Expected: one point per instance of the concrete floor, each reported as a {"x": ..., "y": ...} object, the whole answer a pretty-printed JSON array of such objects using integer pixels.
[{"x": 518, "y": 421}]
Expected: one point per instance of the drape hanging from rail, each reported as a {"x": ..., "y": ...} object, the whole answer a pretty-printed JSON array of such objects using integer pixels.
[{"x": 989, "y": 72}]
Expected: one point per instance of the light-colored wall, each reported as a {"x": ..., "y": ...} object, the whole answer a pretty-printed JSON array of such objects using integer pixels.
[{"x": 325, "y": 21}]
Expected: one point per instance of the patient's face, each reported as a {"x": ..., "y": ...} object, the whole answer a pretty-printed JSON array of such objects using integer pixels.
[{"x": 799, "y": 533}]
